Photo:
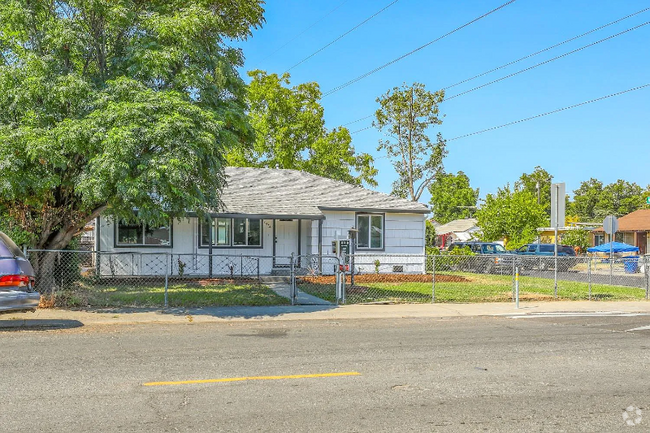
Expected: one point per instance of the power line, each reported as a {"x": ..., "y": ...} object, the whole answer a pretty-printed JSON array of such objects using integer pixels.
[
  {"x": 529, "y": 56},
  {"x": 360, "y": 130},
  {"x": 306, "y": 30},
  {"x": 361, "y": 77},
  {"x": 545, "y": 62},
  {"x": 538, "y": 115},
  {"x": 358, "y": 120},
  {"x": 342, "y": 36},
  {"x": 547, "y": 48},
  {"x": 550, "y": 112}
]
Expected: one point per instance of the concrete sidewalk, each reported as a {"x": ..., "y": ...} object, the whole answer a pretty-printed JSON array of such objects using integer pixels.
[{"x": 57, "y": 318}]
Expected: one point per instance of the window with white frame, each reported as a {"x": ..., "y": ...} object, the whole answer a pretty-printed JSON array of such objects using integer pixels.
[
  {"x": 371, "y": 231},
  {"x": 130, "y": 235},
  {"x": 232, "y": 232}
]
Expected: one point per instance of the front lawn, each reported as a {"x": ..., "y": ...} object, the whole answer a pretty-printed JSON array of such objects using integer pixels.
[
  {"x": 472, "y": 288},
  {"x": 180, "y": 294}
]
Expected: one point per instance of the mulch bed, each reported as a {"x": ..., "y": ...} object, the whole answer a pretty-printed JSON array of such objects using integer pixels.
[{"x": 385, "y": 278}]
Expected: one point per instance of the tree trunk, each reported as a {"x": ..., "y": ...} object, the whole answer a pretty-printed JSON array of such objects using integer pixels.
[
  {"x": 44, "y": 264},
  {"x": 55, "y": 268}
]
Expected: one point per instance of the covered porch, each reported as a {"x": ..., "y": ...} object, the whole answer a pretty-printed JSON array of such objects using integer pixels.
[{"x": 276, "y": 236}]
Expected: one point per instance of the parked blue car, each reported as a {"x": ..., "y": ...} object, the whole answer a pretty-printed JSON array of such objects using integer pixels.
[
  {"x": 16, "y": 278},
  {"x": 540, "y": 256}
]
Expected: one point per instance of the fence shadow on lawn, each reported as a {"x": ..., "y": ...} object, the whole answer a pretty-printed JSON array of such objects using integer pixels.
[{"x": 133, "y": 293}]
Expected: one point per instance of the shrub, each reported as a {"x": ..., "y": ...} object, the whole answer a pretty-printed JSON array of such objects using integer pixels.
[
  {"x": 454, "y": 260},
  {"x": 181, "y": 267}
]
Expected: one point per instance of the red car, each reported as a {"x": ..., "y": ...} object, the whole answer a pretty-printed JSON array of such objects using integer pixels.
[{"x": 16, "y": 278}]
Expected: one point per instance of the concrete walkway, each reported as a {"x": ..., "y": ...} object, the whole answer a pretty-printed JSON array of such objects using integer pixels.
[
  {"x": 284, "y": 289},
  {"x": 57, "y": 318}
]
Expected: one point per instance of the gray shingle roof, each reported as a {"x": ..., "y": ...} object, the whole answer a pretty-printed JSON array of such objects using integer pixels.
[
  {"x": 265, "y": 191},
  {"x": 461, "y": 225}
]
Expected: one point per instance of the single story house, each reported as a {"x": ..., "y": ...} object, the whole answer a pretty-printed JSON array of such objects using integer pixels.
[
  {"x": 457, "y": 230},
  {"x": 268, "y": 216},
  {"x": 633, "y": 229}
]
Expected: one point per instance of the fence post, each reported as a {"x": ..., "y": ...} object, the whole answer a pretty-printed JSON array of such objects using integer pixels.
[
  {"x": 292, "y": 283},
  {"x": 98, "y": 264},
  {"x": 646, "y": 271},
  {"x": 589, "y": 276},
  {"x": 513, "y": 278},
  {"x": 168, "y": 259},
  {"x": 241, "y": 264},
  {"x": 343, "y": 281},
  {"x": 555, "y": 275},
  {"x": 517, "y": 287},
  {"x": 259, "y": 279},
  {"x": 433, "y": 279},
  {"x": 337, "y": 282}
]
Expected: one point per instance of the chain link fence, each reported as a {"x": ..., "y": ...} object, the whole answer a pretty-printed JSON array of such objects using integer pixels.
[
  {"x": 130, "y": 279},
  {"x": 493, "y": 278}
]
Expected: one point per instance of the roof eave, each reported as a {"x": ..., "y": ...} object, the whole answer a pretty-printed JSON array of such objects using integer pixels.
[
  {"x": 261, "y": 216},
  {"x": 370, "y": 210}
]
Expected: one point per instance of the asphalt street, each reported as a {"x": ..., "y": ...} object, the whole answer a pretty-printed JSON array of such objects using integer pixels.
[{"x": 496, "y": 374}]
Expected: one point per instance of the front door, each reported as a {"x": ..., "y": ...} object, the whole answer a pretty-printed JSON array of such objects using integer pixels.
[
  {"x": 642, "y": 242},
  {"x": 286, "y": 241}
]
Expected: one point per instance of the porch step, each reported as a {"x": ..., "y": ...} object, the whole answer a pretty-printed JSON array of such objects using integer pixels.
[
  {"x": 276, "y": 279},
  {"x": 281, "y": 272}
]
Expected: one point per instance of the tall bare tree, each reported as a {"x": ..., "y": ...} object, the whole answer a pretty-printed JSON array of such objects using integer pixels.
[{"x": 405, "y": 115}]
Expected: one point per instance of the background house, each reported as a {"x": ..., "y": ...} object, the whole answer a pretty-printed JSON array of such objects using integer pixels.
[
  {"x": 274, "y": 213},
  {"x": 458, "y": 230},
  {"x": 633, "y": 229}
]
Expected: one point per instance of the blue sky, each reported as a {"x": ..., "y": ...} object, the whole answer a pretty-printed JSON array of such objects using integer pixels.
[{"x": 608, "y": 140}]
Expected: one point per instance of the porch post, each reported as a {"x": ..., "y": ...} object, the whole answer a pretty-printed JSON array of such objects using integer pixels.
[
  {"x": 320, "y": 245},
  {"x": 275, "y": 241},
  {"x": 210, "y": 241},
  {"x": 299, "y": 240}
]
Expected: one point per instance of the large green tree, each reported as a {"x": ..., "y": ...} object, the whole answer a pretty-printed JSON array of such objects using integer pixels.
[
  {"x": 586, "y": 199},
  {"x": 290, "y": 133},
  {"x": 405, "y": 115},
  {"x": 452, "y": 197},
  {"x": 511, "y": 215},
  {"x": 111, "y": 106},
  {"x": 619, "y": 198},
  {"x": 537, "y": 183},
  {"x": 579, "y": 237}
]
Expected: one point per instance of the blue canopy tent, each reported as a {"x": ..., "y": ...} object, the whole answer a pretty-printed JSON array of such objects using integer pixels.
[{"x": 616, "y": 247}]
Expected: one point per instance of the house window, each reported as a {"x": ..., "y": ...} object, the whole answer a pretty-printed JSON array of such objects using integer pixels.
[
  {"x": 143, "y": 235},
  {"x": 233, "y": 232},
  {"x": 239, "y": 238},
  {"x": 371, "y": 231}
]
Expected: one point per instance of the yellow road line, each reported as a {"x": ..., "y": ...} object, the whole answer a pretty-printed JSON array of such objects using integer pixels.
[{"x": 240, "y": 379}]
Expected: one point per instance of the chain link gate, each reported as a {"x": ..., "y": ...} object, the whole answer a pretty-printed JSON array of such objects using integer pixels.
[{"x": 317, "y": 280}]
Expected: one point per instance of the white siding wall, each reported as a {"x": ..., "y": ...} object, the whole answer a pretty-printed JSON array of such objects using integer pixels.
[
  {"x": 404, "y": 233},
  {"x": 305, "y": 237},
  {"x": 333, "y": 224},
  {"x": 404, "y": 237}
]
